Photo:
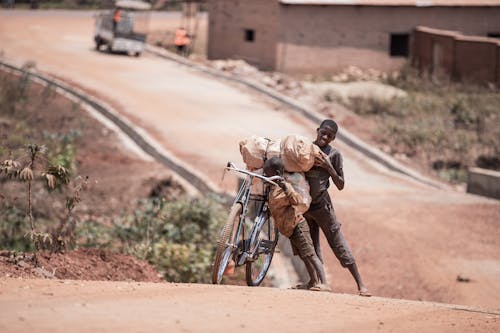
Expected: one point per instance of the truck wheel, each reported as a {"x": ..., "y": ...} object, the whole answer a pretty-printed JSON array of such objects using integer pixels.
[
  {"x": 137, "y": 54},
  {"x": 98, "y": 43}
]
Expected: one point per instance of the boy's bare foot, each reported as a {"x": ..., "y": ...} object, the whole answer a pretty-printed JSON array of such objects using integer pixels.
[
  {"x": 303, "y": 285},
  {"x": 320, "y": 287},
  {"x": 364, "y": 292},
  {"x": 230, "y": 268}
]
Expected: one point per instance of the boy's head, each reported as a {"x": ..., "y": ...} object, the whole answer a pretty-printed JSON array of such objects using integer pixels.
[
  {"x": 326, "y": 132},
  {"x": 274, "y": 167}
]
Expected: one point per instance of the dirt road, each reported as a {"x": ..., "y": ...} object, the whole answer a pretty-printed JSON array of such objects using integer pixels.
[
  {"x": 81, "y": 306},
  {"x": 410, "y": 241}
]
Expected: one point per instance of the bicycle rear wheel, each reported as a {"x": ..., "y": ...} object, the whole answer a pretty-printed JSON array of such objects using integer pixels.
[
  {"x": 265, "y": 239},
  {"x": 227, "y": 244}
]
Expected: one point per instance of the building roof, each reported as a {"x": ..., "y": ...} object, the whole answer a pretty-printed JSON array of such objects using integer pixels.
[
  {"x": 132, "y": 4},
  {"x": 416, "y": 3}
]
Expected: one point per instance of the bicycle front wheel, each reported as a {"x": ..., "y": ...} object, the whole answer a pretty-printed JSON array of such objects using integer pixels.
[
  {"x": 227, "y": 243},
  {"x": 265, "y": 240}
]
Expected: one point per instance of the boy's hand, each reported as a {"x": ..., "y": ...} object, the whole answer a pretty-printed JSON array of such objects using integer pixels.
[
  {"x": 281, "y": 183},
  {"x": 322, "y": 161}
]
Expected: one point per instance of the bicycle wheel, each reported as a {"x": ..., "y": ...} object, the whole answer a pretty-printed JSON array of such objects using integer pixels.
[
  {"x": 265, "y": 239},
  {"x": 226, "y": 244}
]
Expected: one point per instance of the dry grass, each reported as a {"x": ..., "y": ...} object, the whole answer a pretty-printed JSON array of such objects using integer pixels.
[{"x": 449, "y": 126}]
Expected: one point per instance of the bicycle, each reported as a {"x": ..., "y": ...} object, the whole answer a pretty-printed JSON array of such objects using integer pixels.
[{"x": 257, "y": 250}]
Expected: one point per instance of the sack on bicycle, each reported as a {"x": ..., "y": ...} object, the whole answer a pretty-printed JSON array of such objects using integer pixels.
[
  {"x": 301, "y": 186},
  {"x": 297, "y": 152}
]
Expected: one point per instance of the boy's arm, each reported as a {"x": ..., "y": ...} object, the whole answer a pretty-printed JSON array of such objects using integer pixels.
[
  {"x": 292, "y": 196},
  {"x": 323, "y": 161}
]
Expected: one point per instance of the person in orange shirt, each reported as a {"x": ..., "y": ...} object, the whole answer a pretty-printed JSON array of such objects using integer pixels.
[
  {"x": 181, "y": 41},
  {"x": 117, "y": 17}
]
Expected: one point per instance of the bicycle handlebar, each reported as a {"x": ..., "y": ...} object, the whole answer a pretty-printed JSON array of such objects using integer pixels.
[{"x": 231, "y": 166}]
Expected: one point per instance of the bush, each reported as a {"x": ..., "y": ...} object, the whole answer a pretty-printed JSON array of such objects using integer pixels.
[
  {"x": 14, "y": 225},
  {"x": 437, "y": 120},
  {"x": 177, "y": 237}
]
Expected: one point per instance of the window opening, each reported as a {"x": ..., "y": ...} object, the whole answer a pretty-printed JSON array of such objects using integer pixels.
[
  {"x": 399, "y": 45},
  {"x": 249, "y": 35}
]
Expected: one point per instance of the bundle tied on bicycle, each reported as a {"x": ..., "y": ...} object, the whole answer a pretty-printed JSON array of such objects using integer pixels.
[
  {"x": 297, "y": 152},
  {"x": 301, "y": 186}
]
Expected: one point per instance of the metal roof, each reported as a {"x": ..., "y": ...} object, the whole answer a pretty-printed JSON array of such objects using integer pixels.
[
  {"x": 132, "y": 4},
  {"x": 416, "y": 3}
]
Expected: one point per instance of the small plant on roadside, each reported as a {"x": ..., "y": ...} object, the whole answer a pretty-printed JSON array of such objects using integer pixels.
[
  {"x": 29, "y": 168},
  {"x": 65, "y": 233}
]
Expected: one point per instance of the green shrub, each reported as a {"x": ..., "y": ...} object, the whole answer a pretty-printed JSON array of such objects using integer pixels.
[
  {"x": 14, "y": 225},
  {"x": 92, "y": 234},
  {"x": 177, "y": 237}
]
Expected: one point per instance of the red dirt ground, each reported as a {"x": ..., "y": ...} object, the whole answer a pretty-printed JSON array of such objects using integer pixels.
[
  {"x": 118, "y": 178},
  {"x": 81, "y": 264}
]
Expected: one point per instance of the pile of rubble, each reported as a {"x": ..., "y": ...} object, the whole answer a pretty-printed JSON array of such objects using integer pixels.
[
  {"x": 353, "y": 82},
  {"x": 277, "y": 81},
  {"x": 353, "y": 73}
]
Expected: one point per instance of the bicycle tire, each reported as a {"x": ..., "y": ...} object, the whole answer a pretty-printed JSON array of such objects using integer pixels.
[
  {"x": 252, "y": 265},
  {"x": 223, "y": 253}
]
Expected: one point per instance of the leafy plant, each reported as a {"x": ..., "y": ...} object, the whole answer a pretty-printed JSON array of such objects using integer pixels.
[
  {"x": 30, "y": 167},
  {"x": 177, "y": 237}
]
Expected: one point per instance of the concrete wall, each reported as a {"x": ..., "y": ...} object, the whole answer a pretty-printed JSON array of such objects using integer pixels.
[
  {"x": 498, "y": 65},
  {"x": 329, "y": 38},
  {"x": 467, "y": 58},
  {"x": 475, "y": 59},
  {"x": 484, "y": 182},
  {"x": 433, "y": 50},
  {"x": 318, "y": 39},
  {"x": 228, "y": 20}
]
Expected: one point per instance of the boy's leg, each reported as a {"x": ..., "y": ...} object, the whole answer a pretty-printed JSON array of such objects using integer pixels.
[
  {"x": 331, "y": 228},
  {"x": 311, "y": 270},
  {"x": 363, "y": 291},
  {"x": 302, "y": 243},
  {"x": 318, "y": 267},
  {"x": 321, "y": 284},
  {"x": 314, "y": 231}
]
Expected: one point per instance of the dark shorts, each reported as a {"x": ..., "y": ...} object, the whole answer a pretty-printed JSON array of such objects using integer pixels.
[
  {"x": 302, "y": 244},
  {"x": 324, "y": 218}
]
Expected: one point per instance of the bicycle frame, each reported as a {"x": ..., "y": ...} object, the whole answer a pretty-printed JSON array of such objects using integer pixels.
[{"x": 244, "y": 196}]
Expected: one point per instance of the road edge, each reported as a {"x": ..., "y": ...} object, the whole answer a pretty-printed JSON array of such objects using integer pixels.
[
  {"x": 136, "y": 134},
  {"x": 152, "y": 149},
  {"x": 343, "y": 135}
]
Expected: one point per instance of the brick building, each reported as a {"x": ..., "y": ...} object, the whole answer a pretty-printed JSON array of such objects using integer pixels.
[{"x": 317, "y": 36}]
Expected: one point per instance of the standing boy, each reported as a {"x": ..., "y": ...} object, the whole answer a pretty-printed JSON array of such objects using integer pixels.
[
  {"x": 284, "y": 204},
  {"x": 321, "y": 213}
]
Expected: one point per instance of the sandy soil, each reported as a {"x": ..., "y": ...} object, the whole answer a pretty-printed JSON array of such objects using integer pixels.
[
  {"x": 55, "y": 305},
  {"x": 410, "y": 241}
]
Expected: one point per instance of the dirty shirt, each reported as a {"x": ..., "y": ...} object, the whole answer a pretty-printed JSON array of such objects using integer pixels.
[
  {"x": 319, "y": 178},
  {"x": 285, "y": 208}
]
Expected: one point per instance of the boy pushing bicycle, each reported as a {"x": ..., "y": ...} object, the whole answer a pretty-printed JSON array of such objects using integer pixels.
[
  {"x": 321, "y": 214},
  {"x": 284, "y": 205}
]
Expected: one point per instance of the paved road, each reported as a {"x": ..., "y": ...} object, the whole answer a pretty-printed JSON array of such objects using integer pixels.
[
  {"x": 81, "y": 306},
  {"x": 410, "y": 241}
]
